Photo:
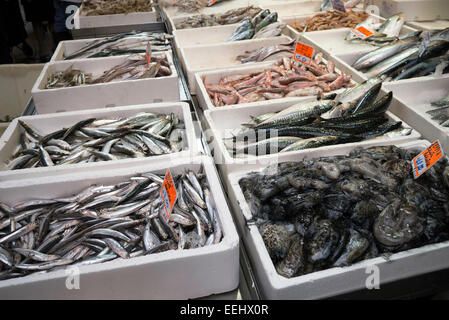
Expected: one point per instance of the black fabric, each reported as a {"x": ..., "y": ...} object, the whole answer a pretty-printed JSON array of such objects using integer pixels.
[
  {"x": 38, "y": 10},
  {"x": 11, "y": 22}
]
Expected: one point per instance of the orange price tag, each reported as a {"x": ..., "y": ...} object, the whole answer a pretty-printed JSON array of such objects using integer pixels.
[
  {"x": 303, "y": 53},
  {"x": 423, "y": 161},
  {"x": 168, "y": 194},
  {"x": 148, "y": 54},
  {"x": 211, "y": 2},
  {"x": 362, "y": 32}
]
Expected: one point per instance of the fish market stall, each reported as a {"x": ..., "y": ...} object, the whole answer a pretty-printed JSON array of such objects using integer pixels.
[
  {"x": 284, "y": 274},
  {"x": 147, "y": 273},
  {"x": 110, "y": 13},
  {"x": 95, "y": 83}
]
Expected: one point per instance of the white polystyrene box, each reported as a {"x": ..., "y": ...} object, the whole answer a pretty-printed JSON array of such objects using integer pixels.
[
  {"x": 172, "y": 274},
  {"x": 213, "y": 76},
  {"x": 413, "y": 100},
  {"x": 222, "y": 56},
  {"x": 66, "y": 48},
  {"x": 222, "y": 121},
  {"x": 332, "y": 281},
  {"x": 333, "y": 41},
  {"x": 52, "y": 122},
  {"x": 134, "y": 18},
  {"x": 128, "y": 92}
]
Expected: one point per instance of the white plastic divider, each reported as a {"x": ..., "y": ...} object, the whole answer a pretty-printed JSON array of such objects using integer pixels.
[
  {"x": 222, "y": 56},
  {"x": 332, "y": 281},
  {"x": 214, "y": 76},
  {"x": 429, "y": 25},
  {"x": 82, "y": 21},
  {"x": 175, "y": 274},
  {"x": 223, "y": 121},
  {"x": 414, "y": 98},
  {"x": 293, "y": 8},
  {"x": 418, "y": 10},
  {"x": 66, "y": 48},
  {"x": 52, "y": 122},
  {"x": 128, "y": 92}
]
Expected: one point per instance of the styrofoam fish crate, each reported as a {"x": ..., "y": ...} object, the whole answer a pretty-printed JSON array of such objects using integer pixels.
[
  {"x": 429, "y": 25},
  {"x": 213, "y": 76},
  {"x": 332, "y": 281},
  {"x": 223, "y": 121},
  {"x": 134, "y": 18},
  {"x": 52, "y": 122},
  {"x": 333, "y": 41},
  {"x": 345, "y": 62},
  {"x": 66, "y": 48},
  {"x": 414, "y": 98},
  {"x": 128, "y": 92},
  {"x": 16, "y": 81},
  {"x": 293, "y": 8},
  {"x": 218, "y": 56},
  {"x": 417, "y": 10},
  {"x": 175, "y": 274}
]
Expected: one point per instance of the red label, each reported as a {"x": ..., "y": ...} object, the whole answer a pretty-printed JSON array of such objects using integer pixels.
[
  {"x": 362, "y": 32},
  {"x": 148, "y": 54},
  {"x": 423, "y": 161},
  {"x": 168, "y": 194},
  {"x": 211, "y": 2},
  {"x": 303, "y": 53}
]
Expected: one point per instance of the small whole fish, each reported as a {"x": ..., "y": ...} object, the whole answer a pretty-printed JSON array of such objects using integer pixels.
[
  {"x": 92, "y": 140},
  {"x": 49, "y": 233}
]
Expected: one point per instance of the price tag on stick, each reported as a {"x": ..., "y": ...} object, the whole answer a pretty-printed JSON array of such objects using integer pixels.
[
  {"x": 362, "y": 32},
  {"x": 148, "y": 54},
  {"x": 168, "y": 194},
  {"x": 423, "y": 161}
]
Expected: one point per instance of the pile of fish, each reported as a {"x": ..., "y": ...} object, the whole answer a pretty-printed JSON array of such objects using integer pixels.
[
  {"x": 123, "y": 44},
  {"x": 90, "y": 140},
  {"x": 190, "y": 6},
  {"x": 327, "y": 5},
  {"x": 263, "y": 25},
  {"x": 104, "y": 7},
  {"x": 331, "y": 19},
  {"x": 318, "y": 123},
  {"x": 229, "y": 17},
  {"x": 383, "y": 33},
  {"x": 105, "y": 222},
  {"x": 409, "y": 57},
  {"x": 135, "y": 67},
  {"x": 335, "y": 211},
  {"x": 285, "y": 78},
  {"x": 441, "y": 114},
  {"x": 268, "y": 52}
]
